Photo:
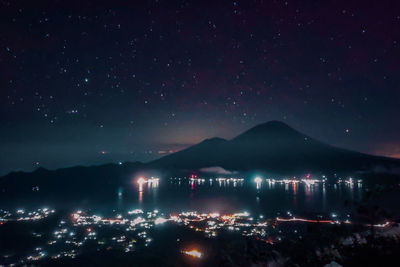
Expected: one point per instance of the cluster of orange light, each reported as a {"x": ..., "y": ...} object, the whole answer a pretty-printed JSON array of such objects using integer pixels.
[
  {"x": 294, "y": 219},
  {"x": 193, "y": 253}
]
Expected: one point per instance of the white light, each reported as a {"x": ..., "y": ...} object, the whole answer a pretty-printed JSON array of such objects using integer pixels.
[
  {"x": 136, "y": 211},
  {"x": 160, "y": 220},
  {"x": 141, "y": 181},
  {"x": 258, "y": 180}
]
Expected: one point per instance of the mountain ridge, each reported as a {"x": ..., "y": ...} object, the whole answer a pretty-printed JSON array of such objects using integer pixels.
[
  {"x": 272, "y": 146},
  {"x": 273, "y": 135}
]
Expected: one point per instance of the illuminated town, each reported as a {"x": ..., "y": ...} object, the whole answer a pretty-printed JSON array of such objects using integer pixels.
[
  {"x": 82, "y": 231},
  {"x": 22, "y": 215}
]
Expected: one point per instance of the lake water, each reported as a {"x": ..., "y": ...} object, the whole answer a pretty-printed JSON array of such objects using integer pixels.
[{"x": 174, "y": 195}]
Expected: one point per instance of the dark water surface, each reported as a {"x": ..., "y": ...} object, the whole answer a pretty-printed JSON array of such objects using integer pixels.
[
  {"x": 173, "y": 195},
  {"x": 266, "y": 198}
]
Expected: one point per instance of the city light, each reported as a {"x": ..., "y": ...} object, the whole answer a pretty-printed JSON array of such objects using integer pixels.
[
  {"x": 135, "y": 228},
  {"x": 258, "y": 180},
  {"x": 141, "y": 181},
  {"x": 194, "y": 253},
  {"x": 160, "y": 220}
]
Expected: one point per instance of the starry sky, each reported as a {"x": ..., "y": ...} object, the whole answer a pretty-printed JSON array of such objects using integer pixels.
[{"x": 82, "y": 82}]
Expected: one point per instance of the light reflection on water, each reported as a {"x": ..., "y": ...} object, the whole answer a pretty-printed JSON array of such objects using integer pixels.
[
  {"x": 224, "y": 195},
  {"x": 215, "y": 195}
]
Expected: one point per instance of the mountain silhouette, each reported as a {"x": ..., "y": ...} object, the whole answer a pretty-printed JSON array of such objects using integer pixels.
[{"x": 274, "y": 147}]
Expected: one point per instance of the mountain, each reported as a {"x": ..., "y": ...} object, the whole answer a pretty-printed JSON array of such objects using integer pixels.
[{"x": 273, "y": 147}]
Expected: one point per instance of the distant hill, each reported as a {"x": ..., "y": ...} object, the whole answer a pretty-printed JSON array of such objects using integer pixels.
[
  {"x": 73, "y": 181},
  {"x": 273, "y": 147}
]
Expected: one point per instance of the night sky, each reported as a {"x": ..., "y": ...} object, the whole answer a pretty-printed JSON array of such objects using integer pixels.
[{"x": 85, "y": 83}]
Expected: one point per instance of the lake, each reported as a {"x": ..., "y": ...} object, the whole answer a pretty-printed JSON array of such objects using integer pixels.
[{"x": 226, "y": 196}]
